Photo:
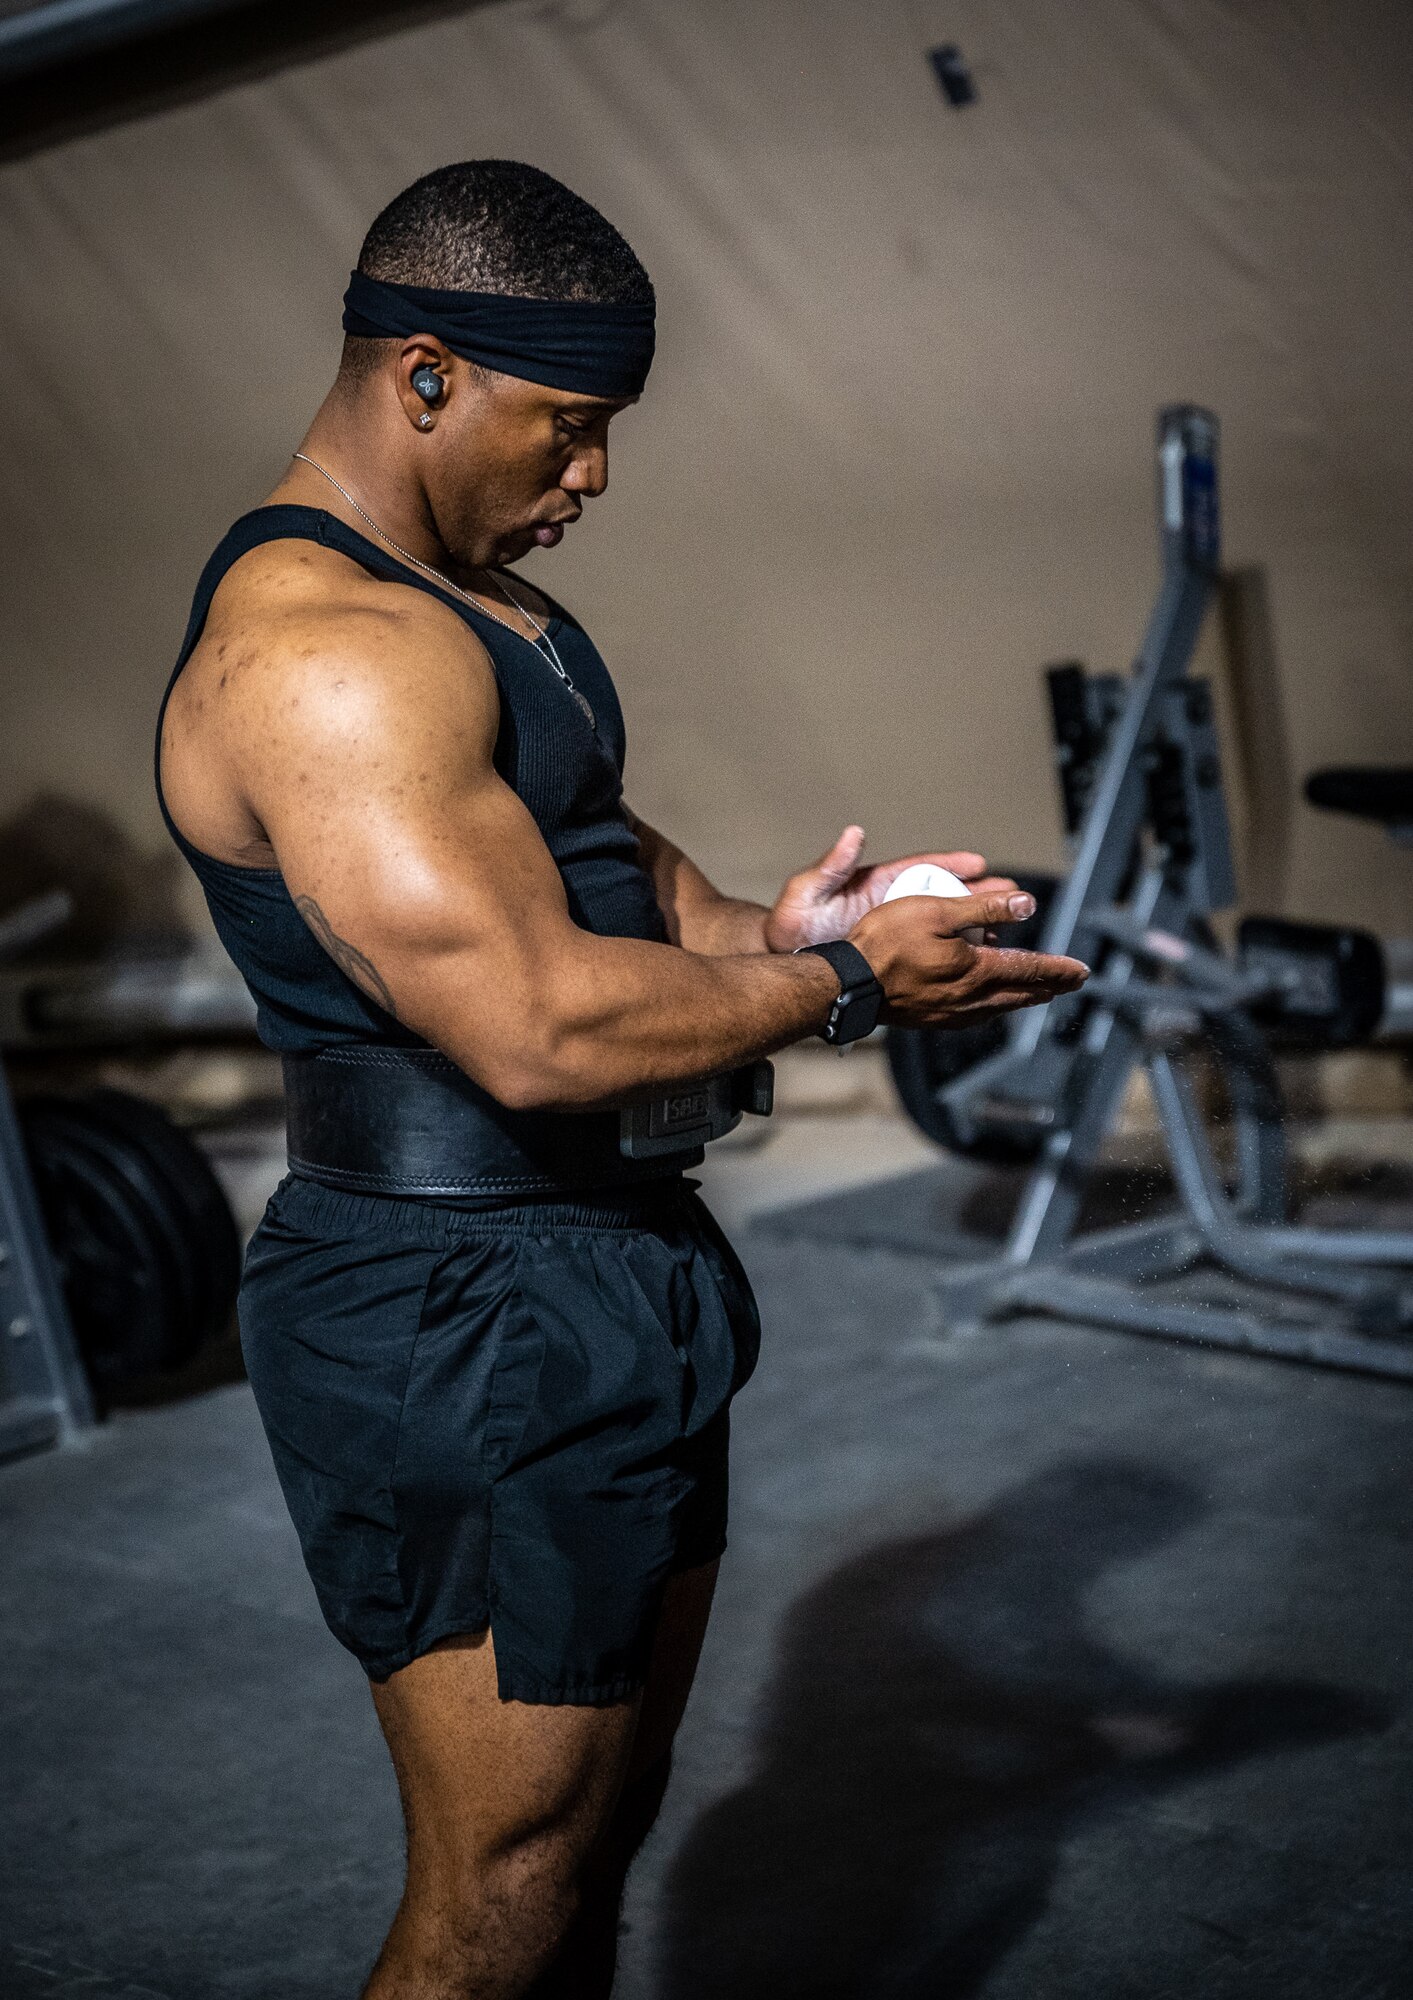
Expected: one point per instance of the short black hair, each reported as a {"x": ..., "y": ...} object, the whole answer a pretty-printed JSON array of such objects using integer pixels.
[{"x": 497, "y": 226}]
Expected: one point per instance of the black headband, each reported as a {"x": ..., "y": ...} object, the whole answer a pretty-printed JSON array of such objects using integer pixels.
[{"x": 573, "y": 344}]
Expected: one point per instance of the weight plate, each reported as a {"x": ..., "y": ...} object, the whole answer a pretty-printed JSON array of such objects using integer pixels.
[
  {"x": 128, "y": 1159},
  {"x": 924, "y": 1060},
  {"x": 1329, "y": 982},
  {"x": 205, "y": 1238},
  {"x": 108, "y": 1139},
  {"x": 124, "y": 1289}
]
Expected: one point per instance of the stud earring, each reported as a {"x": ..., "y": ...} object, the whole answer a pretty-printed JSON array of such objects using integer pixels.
[{"x": 425, "y": 419}]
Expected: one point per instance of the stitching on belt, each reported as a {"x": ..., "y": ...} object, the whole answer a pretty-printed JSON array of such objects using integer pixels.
[
  {"x": 514, "y": 1183},
  {"x": 371, "y": 1058}
]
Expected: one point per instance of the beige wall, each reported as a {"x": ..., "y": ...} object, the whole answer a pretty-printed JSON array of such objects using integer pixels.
[{"x": 895, "y": 453}]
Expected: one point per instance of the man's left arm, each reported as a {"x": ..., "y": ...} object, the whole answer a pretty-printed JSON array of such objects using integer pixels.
[
  {"x": 818, "y": 904},
  {"x": 698, "y": 916}
]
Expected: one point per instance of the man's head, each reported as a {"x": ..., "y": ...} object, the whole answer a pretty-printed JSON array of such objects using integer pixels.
[
  {"x": 505, "y": 460},
  {"x": 500, "y": 226}
]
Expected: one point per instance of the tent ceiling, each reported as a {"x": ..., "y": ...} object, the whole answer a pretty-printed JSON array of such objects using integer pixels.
[
  {"x": 73, "y": 66},
  {"x": 895, "y": 455},
  {"x": 35, "y": 34}
]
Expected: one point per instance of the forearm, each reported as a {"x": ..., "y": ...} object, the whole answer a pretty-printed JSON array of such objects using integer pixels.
[
  {"x": 611, "y": 1017},
  {"x": 724, "y": 926},
  {"x": 698, "y": 916}
]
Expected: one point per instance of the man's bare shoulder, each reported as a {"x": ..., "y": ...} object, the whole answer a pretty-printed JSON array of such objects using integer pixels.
[
  {"x": 299, "y": 637},
  {"x": 287, "y": 603},
  {"x": 312, "y": 675}
]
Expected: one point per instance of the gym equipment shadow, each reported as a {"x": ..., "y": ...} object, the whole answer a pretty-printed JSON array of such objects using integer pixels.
[{"x": 938, "y": 1722}]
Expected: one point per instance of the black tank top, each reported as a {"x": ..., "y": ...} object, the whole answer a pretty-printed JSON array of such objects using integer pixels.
[{"x": 568, "y": 772}]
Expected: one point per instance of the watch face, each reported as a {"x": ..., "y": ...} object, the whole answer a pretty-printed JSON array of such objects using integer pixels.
[{"x": 856, "y": 1012}]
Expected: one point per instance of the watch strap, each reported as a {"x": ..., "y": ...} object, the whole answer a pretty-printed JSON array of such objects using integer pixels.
[{"x": 855, "y": 1012}]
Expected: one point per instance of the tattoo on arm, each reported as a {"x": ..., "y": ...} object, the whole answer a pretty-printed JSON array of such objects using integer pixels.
[{"x": 347, "y": 957}]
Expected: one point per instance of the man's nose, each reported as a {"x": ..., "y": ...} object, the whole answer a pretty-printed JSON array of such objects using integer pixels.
[{"x": 587, "y": 472}]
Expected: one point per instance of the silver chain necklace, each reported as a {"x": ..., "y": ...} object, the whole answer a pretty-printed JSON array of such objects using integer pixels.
[{"x": 542, "y": 642}]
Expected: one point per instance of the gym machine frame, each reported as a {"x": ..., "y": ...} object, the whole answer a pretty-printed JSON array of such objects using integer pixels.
[
  {"x": 44, "y": 1393},
  {"x": 1152, "y": 862}
]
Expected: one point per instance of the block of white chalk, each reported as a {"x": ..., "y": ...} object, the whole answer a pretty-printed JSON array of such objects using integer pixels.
[{"x": 925, "y": 878}]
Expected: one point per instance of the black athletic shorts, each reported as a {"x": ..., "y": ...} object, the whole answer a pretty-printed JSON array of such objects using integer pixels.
[{"x": 514, "y": 1418}]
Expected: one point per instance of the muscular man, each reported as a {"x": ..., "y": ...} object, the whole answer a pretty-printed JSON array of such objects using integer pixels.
[{"x": 494, "y": 1342}]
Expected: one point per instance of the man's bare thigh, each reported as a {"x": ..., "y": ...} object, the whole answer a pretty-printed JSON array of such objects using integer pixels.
[{"x": 477, "y": 1772}]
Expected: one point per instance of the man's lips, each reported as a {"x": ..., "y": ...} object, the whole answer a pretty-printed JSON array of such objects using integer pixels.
[{"x": 548, "y": 534}]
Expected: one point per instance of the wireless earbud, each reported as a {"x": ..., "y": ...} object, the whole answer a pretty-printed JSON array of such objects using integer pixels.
[{"x": 427, "y": 383}]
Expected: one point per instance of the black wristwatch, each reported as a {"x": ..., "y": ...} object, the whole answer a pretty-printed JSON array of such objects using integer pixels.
[{"x": 855, "y": 1013}]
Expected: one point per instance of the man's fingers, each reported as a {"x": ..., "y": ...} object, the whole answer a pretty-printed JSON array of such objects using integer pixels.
[
  {"x": 965, "y": 864},
  {"x": 1022, "y": 970},
  {"x": 1006, "y": 1000},
  {"x": 839, "y": 861},
  {"x": 951, "y": 914}
]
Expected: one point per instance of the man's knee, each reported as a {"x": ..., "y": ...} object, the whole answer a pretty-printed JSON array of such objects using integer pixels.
[
  {"x": 534, "y": 1869},
  {"x": 534, "y": 1898},
  {"x": 584, "y": 1967},
  {"x": 484, "y": 1918}
]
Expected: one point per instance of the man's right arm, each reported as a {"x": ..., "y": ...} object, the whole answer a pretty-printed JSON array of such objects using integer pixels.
[{"x": 365, "y": 749}]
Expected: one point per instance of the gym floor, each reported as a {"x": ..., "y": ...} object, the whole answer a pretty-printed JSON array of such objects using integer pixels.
[{"x": 1048, "y": 1663}]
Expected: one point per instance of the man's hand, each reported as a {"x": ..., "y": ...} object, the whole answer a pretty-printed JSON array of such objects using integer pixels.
[
  {"x": 934, "y": 979},
  {"x": 825, "y": 902}
]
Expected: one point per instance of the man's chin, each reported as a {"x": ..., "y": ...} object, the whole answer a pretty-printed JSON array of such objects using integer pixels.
[{"x": 520, "y": 543}]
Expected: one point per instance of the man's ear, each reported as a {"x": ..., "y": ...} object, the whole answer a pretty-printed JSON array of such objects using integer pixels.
[{"x": 424, "y": 387}]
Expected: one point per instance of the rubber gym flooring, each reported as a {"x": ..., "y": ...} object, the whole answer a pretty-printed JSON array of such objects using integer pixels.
[{"x": 1048, "y": 1665}]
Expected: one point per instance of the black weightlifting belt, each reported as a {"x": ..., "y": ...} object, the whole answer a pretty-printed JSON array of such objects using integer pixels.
[{"x": 409, "y": 1122}]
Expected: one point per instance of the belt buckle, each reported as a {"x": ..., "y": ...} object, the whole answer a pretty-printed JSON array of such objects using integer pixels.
[{"x": 688, "y": 1115}]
